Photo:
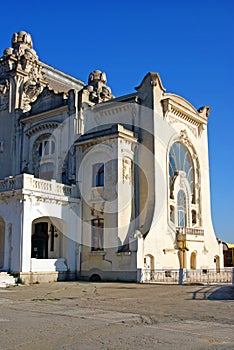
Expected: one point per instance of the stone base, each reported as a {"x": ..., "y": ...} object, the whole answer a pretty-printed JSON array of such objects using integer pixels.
[
  {"x": 97, "y": 275},
  {"x": 45, "y": 277}
]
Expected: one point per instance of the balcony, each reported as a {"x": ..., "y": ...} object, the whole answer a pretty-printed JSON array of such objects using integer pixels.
[
  {"x": 26, "y": 183},
  {"x": 190, "y": 234},
  {"x": 190, "y": 231}
]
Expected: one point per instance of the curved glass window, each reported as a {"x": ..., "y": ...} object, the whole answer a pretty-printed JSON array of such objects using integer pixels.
[
  {"x": 180, "y": 160},
  {"x": 181, "y": 209}
]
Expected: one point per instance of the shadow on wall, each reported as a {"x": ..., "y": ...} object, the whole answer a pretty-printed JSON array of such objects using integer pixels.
[{"x": 214, "y": 293}]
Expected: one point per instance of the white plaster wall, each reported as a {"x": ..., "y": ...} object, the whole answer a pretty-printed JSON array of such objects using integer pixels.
[
  {"x": 11, "y": 212},
  {"x": 161, "y": 236},
  {"x": 21, "y": 212}
]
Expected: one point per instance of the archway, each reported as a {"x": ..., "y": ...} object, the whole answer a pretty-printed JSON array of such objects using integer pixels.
[
  {"x": 149, "y": 262},
  {"x": 2, "y": 242},
  {"x": 49, "y": 238},
  {"x": 217, "y": 263},
  {"x": 193, "y": 261},
  {"x": 40, "y": 241}
]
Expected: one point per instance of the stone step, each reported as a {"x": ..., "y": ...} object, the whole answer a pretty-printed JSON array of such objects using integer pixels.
[{"x": 6, "y": 280}]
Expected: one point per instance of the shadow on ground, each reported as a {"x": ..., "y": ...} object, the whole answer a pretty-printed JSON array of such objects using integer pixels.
[{"x": 214, "y": 293}]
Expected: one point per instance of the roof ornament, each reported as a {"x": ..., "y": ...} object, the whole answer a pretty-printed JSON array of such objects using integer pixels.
[
  {"x": 22, "y": 45},
  {"x": 97, "y": 89},
  {"x": 204, "y": 111}
]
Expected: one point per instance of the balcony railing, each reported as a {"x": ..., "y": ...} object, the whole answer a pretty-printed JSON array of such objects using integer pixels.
[
  {"x": 30, "y": 183},
  {"x": 190, "y": 231}
]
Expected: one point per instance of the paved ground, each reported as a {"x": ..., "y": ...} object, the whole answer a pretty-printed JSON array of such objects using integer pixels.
[{"x": 79, "y": 315}]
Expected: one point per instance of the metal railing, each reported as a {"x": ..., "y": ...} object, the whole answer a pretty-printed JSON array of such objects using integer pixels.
[{"x": 182, "y": 276}]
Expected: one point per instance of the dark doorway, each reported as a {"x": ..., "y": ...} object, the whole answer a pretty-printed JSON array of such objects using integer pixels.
[{"x": 40, "y": 241}]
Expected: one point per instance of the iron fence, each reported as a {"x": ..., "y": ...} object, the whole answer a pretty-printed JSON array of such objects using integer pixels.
[{"x": 182, "y": 276}]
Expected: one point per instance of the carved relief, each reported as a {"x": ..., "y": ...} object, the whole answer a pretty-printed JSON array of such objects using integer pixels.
[
  {"x": 26, "y": 73},
  {"x": 31, "y": 90},
  {"x": 126, "y": 164},
  {"x": 173, "y": 120},
  {"x": 4, "y": 95}
]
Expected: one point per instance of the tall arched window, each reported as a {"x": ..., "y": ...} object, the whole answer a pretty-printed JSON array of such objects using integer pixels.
[
  {"x": 44, "y": 157},
  {"x": 98, "y": 175},
  {"x": 181, "y": 209},
  {"x": 180, "y": 160},
  {"x": 97, "y": 234}
]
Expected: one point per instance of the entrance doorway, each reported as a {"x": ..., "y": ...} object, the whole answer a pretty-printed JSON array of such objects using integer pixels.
[{"x": 40, "y": 241}]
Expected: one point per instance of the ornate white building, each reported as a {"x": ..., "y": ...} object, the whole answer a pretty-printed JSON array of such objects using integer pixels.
[{"x": 93, "y": 186}]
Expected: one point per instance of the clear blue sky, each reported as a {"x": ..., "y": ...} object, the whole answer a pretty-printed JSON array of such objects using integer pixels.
[{"x": 190, "y": 44}]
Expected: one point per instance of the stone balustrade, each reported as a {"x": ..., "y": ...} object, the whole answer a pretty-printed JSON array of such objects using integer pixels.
[
  {"x": 30, "y": 183},
  {"x": 190, "y": 231}
]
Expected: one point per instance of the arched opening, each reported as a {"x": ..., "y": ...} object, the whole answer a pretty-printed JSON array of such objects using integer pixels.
[
  {"x": 193, "y": 261},
  {"x": 149, "y": 261},
  {"x": 194, "y": 217},
  {"x": 217, "y": 263},
  {"x": 2, "y": 241},
  {"x": 40, "y": 241},
  {"x": 49, "y": 244},
  {"x": 48, "y": 240}
]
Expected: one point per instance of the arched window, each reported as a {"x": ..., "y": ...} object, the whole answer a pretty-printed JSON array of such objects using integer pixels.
[
  {"x": 193, "y": 261},
  {"x": 194, "y": 217},
  {"x": 44, "y": 157},
  {"x": 46, "y": 147},
  {"x": 181, "y": 209},
  {"x": 97, "y": 234},
  {"x": 98, "y": 175},
  {"x": 180, "y": 160}
]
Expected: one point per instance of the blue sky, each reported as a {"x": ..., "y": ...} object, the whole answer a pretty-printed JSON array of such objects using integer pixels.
[{"x": 190, "y": 44}]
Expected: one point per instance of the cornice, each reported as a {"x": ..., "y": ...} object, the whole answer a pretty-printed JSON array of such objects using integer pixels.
[
  {"x": 174, "y": 112},
  {"x": 44, "y": 115}
]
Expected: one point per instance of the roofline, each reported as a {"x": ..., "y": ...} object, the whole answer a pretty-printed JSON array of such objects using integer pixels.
[{"x": 64, "y": 75}]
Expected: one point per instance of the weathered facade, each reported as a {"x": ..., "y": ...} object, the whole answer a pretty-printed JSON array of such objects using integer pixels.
[{"x": 94, "y": 186}]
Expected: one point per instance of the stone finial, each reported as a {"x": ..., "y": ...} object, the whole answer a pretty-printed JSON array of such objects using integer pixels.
[
  {"x": 97, "y": 76},
  {"x": 96, "y": 89},
  {"x": 204, "y": 111},
  {"x": 22, "y": 44},
  {"x": 21, "y": 38}
]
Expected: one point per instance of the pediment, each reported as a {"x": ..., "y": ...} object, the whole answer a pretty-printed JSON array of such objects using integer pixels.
[{"x": 47, "y": 100}]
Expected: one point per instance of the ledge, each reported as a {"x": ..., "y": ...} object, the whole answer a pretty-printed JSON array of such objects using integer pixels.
[
  {"x": 123, "y": 253},
  {"x": 97, "y": 252}
]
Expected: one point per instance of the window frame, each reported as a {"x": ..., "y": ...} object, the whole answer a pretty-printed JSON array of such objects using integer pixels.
[
  {"x": 98, "y": 175},
  {"x": 97, "y": 235}
]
